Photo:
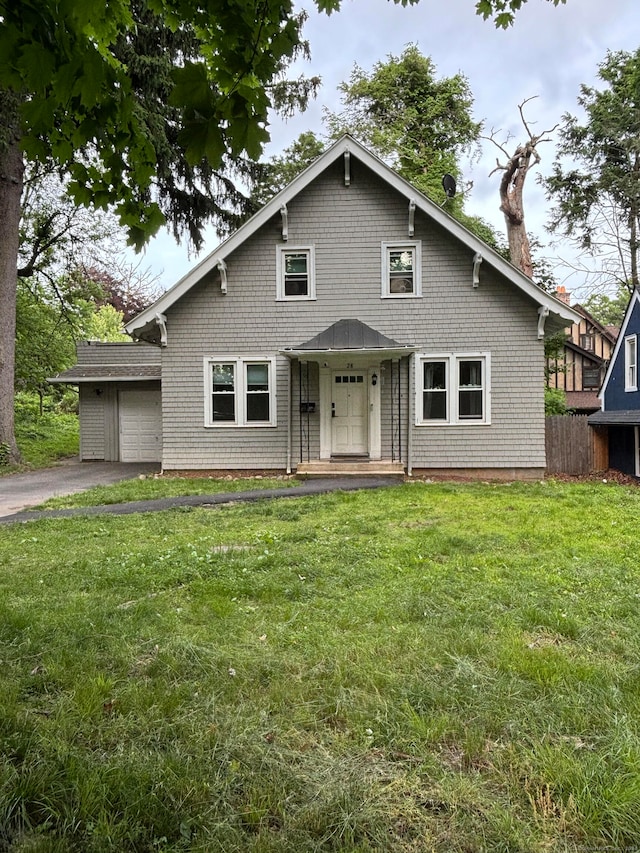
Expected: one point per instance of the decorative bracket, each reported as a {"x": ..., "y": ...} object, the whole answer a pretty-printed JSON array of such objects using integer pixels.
[
  {"x": 284, "y": 213},
  {"x": 347, "y": 168},
  {"x": 477, "y": 260},
  {"x": 543, "y": 313},
  {"x": 161, "y": 322},
  {"x": 222, "y": 267},
  {"x": 412, "y": 213}
]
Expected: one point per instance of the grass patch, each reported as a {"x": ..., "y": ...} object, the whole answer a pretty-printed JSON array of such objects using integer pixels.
[
  {"x": 428, "y": 667},
  {"x": 165, "y": 486},
  {"x": 45, "y": 436}
]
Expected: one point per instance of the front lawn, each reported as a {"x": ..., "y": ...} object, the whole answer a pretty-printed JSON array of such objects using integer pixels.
[{"x": 429, "y": 667}]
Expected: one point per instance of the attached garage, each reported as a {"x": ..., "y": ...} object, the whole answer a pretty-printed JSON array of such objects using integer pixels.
[
  {"x": 140, "y": 425},
  {"x": 120, "y": 401}
]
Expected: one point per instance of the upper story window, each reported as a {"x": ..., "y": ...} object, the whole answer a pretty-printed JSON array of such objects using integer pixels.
[
  {"x": 240, "y": 392},
  {"x": 587, "y": 342},
  {"x": 295, "y": 267},
  {"x": 452, "y": 389},
  {"x": 401, "y": 267},
  {"x": 590, "y": 376},
  {"x": 631, "y": 363}
]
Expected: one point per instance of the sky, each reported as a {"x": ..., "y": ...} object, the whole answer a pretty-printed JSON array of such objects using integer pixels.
[{"x": 545, "y": 56}]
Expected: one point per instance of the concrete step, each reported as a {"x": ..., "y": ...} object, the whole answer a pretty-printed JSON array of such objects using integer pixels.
[{"x": 350, "y": 468}]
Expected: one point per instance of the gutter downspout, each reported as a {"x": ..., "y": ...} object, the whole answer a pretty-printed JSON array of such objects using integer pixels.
[
  {"x": 410, "y": 373},
  {"x": 289, "y": 416}
]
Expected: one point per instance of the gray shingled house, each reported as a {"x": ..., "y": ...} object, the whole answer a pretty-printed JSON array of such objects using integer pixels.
[{"x": 351, "y": 324}]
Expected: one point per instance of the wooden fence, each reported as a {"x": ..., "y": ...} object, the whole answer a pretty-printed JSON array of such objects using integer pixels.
[{"x": 573, "y": 447}]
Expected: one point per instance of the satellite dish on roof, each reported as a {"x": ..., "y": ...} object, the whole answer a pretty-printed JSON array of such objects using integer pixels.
[{"x": 449, "y": 185}]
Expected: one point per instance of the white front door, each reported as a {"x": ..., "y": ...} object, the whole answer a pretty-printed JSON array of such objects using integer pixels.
[{"x": 349, "y": 413}]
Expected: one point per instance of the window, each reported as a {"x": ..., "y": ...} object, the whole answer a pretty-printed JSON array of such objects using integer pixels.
[
  {"x": 452, "y": 389},
  {"x": 296, "y": 273},
  {"x": 240, "y": 392},
  {"x": 587, "y": 342},
  {"x": 401, "y": 269},
  {"x": 631, "y": 363},
  {"x": 434, "y": 391},
  {"x": 470, "y": 391},
  {"x": 590, "y": 376}
]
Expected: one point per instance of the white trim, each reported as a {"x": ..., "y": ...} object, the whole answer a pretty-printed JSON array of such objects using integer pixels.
[
  {"x": 240, "y": 364},
  {"x": 637, "y": 441},
  {"x": 401, "y": 245},
  {"x": 423, "y": 204},
  {"x": 634, "y": 300},
  {"x": 631, "y": 363},
  {"x": 310, "y": 251},
  {"x": 451, "y": 361}
]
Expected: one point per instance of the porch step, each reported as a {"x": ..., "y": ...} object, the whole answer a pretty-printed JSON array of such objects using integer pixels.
[{"x": 350, "y": 468}]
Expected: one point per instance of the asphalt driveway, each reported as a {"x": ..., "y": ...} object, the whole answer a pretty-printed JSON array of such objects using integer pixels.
[{"x": 22, "y": 491}]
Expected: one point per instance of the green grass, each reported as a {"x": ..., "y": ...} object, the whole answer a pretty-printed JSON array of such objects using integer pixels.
[
  {"x": 428, "y": 667},
  {"x": 166, "y": 486},
  {"x": 43, "y": 438}
]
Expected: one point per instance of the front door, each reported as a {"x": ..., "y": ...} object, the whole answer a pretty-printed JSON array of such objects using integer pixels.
[{"x": 349, "y": 413}]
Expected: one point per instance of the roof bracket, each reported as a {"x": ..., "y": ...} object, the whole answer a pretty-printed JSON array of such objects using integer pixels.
[
  {"x": 284, "y": 213},
  {"x": 412, "y": 213},
  {"x": 543, "y": 313},
  {"x": 161, "y": 322},
  {"x": 477, "y": 260},
  {"x": 222, "y": 267},
  {"x": 347, "y": 167}
]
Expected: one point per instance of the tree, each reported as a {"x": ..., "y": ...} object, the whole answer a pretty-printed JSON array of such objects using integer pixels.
[
  {"x": 515, "y": 169},
  {"x": 273, "y": 175},
  {"x": 418, "y": 123},
  {"x": 503, "y": 11},
  {"x": 608, "y": 310},
  {"x": 595, "y": 182},
  {"x": 44, "y": 343},
  {"x": 137, "y": 103}
]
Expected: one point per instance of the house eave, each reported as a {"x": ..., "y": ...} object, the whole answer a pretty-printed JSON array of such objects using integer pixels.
[{"x": 319, "y": 354}]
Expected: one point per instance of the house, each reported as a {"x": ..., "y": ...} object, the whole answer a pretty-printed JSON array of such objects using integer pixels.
[
  {"x": 351, "y": 324},
  {"x": 580, "y": 370},
  {"x": 619, "y": 416}
]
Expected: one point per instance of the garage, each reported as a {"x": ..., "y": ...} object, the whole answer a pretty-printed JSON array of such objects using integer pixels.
[{"x": 140, "y": 425}]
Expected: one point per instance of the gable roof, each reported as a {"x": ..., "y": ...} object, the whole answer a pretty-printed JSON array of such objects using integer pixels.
[
  {"x": 609, "y": 332},
  {"x": 633, "y": 301},
  {"x": 147, "y": 320}
]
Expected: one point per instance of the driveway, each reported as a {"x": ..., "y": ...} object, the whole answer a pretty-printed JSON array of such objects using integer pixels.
[{"x": 21, "y": 491}]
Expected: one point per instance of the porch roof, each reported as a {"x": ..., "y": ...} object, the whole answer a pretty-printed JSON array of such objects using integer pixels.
[
  {"x": 350, "y": 336},
  {"x": 622, "y": 417}
]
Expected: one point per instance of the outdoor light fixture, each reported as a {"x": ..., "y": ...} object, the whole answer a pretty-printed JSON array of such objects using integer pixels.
[{"x": 374, "y": 378}]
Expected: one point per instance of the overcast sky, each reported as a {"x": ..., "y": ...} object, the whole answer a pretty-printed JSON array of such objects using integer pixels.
[{"x": 547, "y": 54}]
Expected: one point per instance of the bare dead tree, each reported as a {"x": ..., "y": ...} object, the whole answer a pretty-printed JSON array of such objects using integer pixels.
[{"x": 515, "y": 170}]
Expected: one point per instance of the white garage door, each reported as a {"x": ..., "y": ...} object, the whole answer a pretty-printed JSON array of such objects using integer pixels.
[{"x": 140, "y": 426}]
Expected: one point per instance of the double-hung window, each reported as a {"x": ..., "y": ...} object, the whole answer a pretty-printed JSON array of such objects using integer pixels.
[
  {"x": 401, "y": 267},
  {"x": 295, "y": 268},
  {"x": 240, "y": 392},
  {"x": 631, "y": 363},
  {"x": 453, "y": 389}
]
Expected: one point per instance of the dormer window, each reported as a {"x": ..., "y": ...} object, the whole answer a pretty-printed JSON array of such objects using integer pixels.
[
  {"x": 401, "y": 269},
  {"x": 295, "y": 266}
]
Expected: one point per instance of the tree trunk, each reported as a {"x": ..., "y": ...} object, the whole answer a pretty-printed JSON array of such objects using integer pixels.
[
  {"x": 11, "y": 178},
  {"x": 511, "y": 204}
]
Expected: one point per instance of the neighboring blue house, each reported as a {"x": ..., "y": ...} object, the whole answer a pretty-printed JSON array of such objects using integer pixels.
[{"x": 620, "y": 396}]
